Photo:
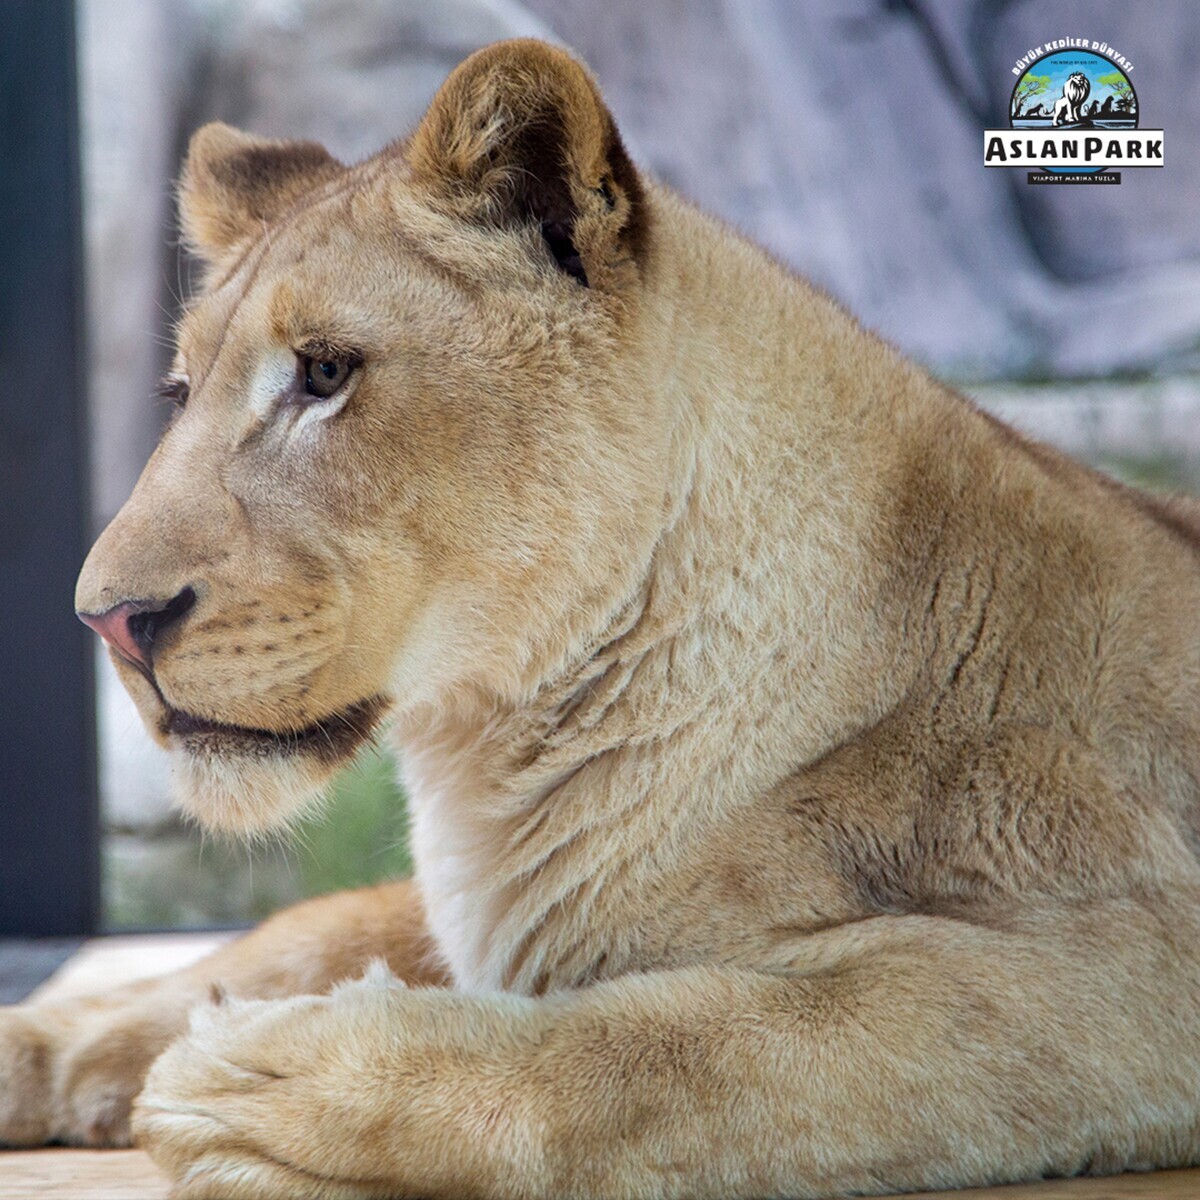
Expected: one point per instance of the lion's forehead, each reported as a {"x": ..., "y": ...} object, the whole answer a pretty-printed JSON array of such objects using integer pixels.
[{"x": 358, "y": 285}]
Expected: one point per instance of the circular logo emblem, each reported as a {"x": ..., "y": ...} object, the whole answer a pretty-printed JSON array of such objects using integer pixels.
[{"x": 1073, "y": 89}]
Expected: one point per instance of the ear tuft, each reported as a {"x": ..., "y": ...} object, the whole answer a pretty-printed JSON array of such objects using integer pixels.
[
  {"x": 519, "y": 135},
  {"x": 235, "y": 184}
]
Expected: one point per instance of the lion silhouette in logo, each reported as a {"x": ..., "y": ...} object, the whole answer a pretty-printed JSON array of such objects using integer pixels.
[{"x": 1075, "y": 91}]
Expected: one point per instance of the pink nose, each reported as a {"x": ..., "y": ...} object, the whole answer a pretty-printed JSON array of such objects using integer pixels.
[
  {"x": 132, "y": 628},
  {"x": 113, "y": 627}
]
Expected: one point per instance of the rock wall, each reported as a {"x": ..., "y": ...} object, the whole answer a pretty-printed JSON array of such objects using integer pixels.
[{"x": 847, "y": 135}]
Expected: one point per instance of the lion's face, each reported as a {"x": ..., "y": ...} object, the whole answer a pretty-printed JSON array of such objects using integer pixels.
[
  {"x": 417, "y": 454},
  {"x": 1077, "y": 88}
]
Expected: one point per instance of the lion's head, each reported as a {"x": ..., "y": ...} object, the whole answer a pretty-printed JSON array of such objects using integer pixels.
[
  {"x": 416, "y": 449},
  {"x": 1077, "y": 88}
]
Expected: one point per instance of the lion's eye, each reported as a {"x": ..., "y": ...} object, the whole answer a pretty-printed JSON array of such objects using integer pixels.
[
  {"x": 323, "y": 377},
  {"x": 175, "y": 389}
]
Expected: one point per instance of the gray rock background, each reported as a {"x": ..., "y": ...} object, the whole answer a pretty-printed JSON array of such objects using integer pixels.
[
  {"x": 847, "y": 136},
  {"x": 843, "y": 134}
]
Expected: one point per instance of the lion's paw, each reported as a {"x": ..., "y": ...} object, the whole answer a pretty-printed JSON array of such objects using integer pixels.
[
  {"x": 69, "y": 1072},
  {"x": 25, "y": 1059},
  {"x": 205, "y": 1162},
  {"x": 242, "y": 1105}
]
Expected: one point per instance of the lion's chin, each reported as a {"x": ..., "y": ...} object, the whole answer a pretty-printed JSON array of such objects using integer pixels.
[
  {"x": 247, "y": 797},
  {"x": 249, "y": 781}
]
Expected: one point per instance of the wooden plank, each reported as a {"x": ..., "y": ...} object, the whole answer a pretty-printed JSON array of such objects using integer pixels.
[
  {"x": 130, "y": 1175},
  {"x": 80, "y": 1175},
  {"x": 106, "y": 962}
]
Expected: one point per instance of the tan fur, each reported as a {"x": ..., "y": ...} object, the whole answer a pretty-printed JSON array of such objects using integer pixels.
[{"x": 803, "y": 767}]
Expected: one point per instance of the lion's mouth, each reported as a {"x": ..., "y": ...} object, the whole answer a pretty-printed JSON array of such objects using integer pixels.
[{"x": 331, "y": 739}]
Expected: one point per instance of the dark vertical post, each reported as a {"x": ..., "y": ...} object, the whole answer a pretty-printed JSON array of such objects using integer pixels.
[{"x": 49, "y": 828}]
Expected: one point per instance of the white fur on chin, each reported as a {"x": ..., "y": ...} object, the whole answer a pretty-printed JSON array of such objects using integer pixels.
[{"x": 247, "y": 796}]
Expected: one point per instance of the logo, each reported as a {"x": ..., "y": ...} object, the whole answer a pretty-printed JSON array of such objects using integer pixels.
[{"x": 1073, "y": 117}]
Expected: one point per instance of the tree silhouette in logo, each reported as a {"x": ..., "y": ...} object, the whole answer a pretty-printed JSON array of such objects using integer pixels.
[
  {"x": 1030, "y": 86},
  {"x": 1121, "y": 88}
]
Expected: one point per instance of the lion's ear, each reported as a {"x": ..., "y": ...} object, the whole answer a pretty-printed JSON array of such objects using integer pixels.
[
  {"x": 518, "y": 135},
  {"x": 234, "y": 185}
]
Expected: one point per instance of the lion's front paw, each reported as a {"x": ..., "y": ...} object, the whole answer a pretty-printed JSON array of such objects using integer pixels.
[
  {"x": 25, "y": 1102},
  {"x": 256, "y": 1101},
  {"x": 209, "y": 1156},
  {"x": 69, "y": 1073}
]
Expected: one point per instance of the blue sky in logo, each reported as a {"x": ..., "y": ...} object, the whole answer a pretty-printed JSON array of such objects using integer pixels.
[{"x": 1064, "y": 64}]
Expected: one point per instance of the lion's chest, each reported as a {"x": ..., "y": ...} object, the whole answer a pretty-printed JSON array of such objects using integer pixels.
[{"x": 452, "y": 867}]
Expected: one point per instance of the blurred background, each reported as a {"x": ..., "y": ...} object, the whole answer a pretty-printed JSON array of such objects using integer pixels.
[{"x": 846, "y": 135}]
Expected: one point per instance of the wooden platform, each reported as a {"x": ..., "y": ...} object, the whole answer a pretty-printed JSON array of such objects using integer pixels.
[
  {"x": 130, "y": 1175},
  {"x": 79, "y": 1175},
  {"x": 58, "y": 1174}
]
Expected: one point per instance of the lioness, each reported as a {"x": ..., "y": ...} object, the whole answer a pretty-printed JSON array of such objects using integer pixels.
[{"x": 804, "y": 768}]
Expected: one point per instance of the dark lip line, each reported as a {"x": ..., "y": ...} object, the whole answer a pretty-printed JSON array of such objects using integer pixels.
[{"x": 331, "y": 738}]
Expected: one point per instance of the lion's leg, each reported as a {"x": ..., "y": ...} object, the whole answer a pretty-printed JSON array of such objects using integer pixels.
[
  {"x": 69, "y": 1071},
  {"x": 898, "y": 1053}
]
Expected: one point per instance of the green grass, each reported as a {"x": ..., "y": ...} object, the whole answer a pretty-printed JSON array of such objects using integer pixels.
[
  {"x": 180, "y": 878},
  {"x": 1157, "y": 473},
  {"x": 362, "y": 835}
]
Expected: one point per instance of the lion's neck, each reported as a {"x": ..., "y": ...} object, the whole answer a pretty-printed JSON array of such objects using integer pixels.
[{"x": 724, "y": 671}]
